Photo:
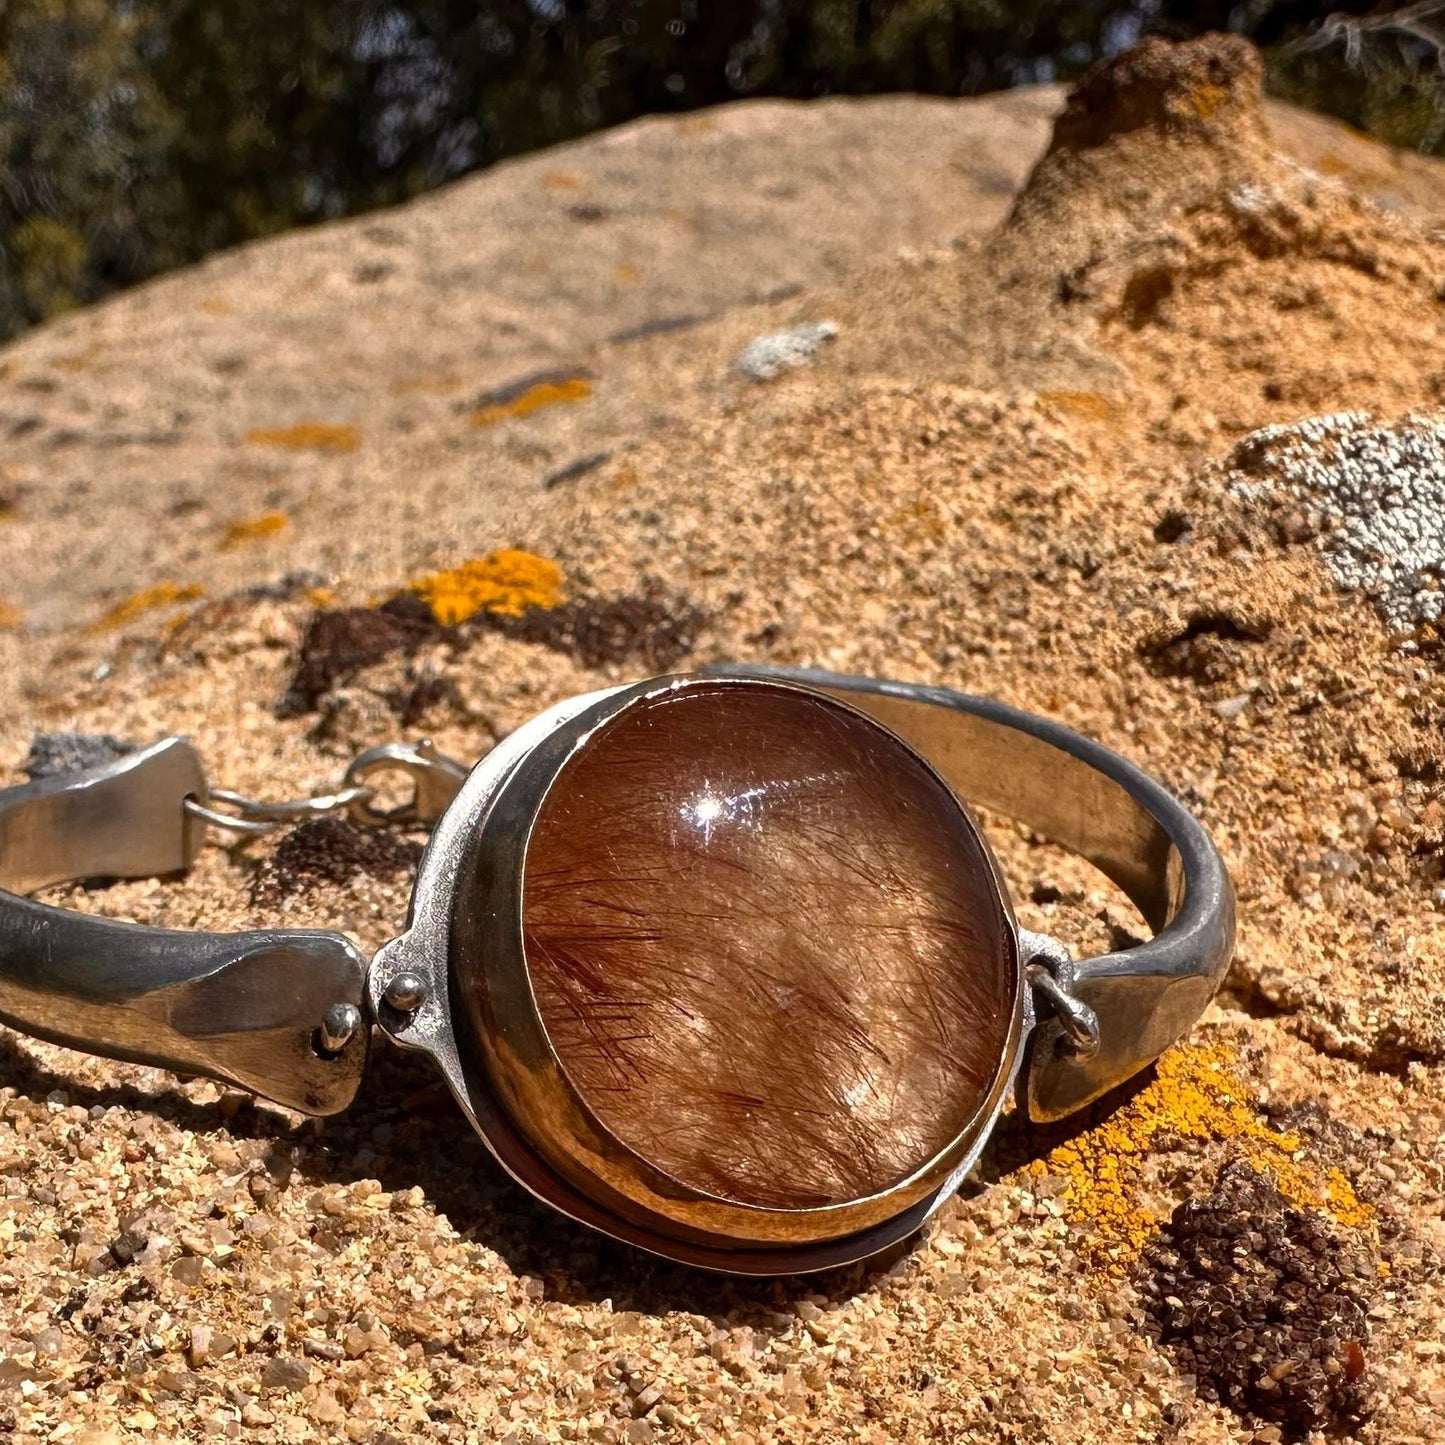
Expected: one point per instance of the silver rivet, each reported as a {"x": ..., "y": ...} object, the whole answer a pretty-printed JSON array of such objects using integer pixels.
[
  {"x": 406, "y": 992},
  {"x": 338, "y": 1027}
]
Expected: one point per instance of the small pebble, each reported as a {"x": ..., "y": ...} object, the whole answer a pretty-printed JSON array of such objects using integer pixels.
[
  {"x": 282, "y": 1372},
  {"x": 646, "y": 1400},
  {"x": 766, "y": 356},
  {"x": 47, "y": 1342},
  {"x": 187, "y": 1270}
]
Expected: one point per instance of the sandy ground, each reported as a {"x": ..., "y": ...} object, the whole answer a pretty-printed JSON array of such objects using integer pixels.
[{"x": 1016, "y": 469}]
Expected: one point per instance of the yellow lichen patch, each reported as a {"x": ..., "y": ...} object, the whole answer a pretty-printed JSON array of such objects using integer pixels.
[
  {"x": 253, "y": 529},
  {"x": 307, "y": 436},
  {"x": 534, "y": 398},
  {"x": 1205, "y": 99},
  {"x": 562, "y": 181},
  {"x": 162, "y": 594},
  {"x": 1342, "y": 1201},
  {"x": 10, "y": 616},
  {"x": 1197, "y": 1093},
  {"x": 1090, "y": 405},
  {"x": 508, "y": 583}
]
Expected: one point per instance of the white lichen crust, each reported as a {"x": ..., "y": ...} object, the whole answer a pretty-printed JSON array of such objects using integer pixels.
[{"x": 1375, "y": 498}]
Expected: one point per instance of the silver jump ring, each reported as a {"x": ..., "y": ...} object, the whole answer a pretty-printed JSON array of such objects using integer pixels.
[
  {"x": 254, "y": 818},
  {"x": 230, "y": 821}
]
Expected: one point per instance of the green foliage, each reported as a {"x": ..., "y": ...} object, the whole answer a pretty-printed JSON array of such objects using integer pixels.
[
  {"x": 136, "y": 135},
  {"x": 50, "y": 261},
  {"x": 82, "y": 132}
]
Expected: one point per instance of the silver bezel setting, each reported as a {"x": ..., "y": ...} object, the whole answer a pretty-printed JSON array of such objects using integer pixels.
[{"x": 494, "y": 813}]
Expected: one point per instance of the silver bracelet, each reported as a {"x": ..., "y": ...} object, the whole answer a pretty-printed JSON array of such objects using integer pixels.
[{"x": 720, "y": 965}]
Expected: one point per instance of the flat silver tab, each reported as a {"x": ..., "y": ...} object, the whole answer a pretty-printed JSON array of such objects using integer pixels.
[
  {"x": 126, "y": 819},
  {"x": 246, "y": 1008}
]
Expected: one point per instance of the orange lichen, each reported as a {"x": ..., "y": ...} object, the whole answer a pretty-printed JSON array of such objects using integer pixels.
[
  {"x": 301, "y": 436},
  {"x": 508, "y": 583},
  {"x": 1206, "y": 98},
  {"x": 1197, "y": 1093},
  {"x": 543, "y": 394},
  {"x": 562, "y": 181},
  {"x": 1089, "y": 405},
  {"x": 10, "y": 616},
  {"x": 623, "y": 480},
  {"x": 148, "y": 599},
  {"x": 252, "y": 529}
]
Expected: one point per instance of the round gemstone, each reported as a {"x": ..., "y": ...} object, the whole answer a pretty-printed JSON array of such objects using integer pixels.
[{"x": 766, "y": 945}]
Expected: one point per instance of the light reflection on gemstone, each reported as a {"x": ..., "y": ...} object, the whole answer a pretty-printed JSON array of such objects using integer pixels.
[{"x": 707, "y": 808}]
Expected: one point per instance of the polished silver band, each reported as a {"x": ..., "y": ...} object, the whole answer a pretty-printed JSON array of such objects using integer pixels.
[{"x": 267, "y": 1010}]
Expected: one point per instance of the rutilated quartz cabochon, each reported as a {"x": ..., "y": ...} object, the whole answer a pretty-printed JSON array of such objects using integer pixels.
[{"x": 767, "y": 949}]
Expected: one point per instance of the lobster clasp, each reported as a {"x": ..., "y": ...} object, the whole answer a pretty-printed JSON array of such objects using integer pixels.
[{"x": 436, "y": 780}]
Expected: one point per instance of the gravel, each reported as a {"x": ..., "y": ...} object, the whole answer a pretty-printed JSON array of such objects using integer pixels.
[
  {"x": 285, "y": 1373},
  {"x": 1266, "y": 1306}
]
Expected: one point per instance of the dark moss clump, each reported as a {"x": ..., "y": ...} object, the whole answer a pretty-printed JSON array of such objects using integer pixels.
[
  {"x": 339, "y": 642},
  {"x": 1265, "y": 1305},
  {"x": 331, "y": 851},
  {"x": 425, "y": 696},
  {"x": 654, "y": 628}
]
